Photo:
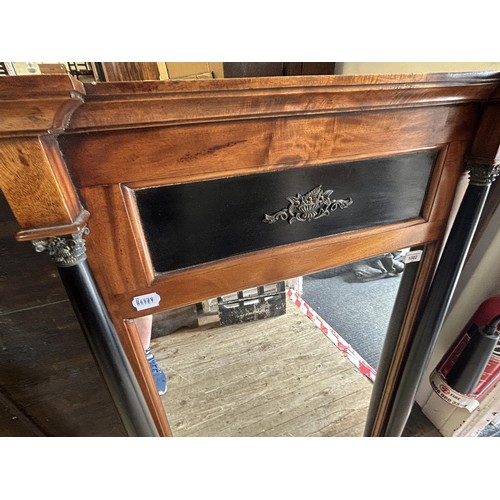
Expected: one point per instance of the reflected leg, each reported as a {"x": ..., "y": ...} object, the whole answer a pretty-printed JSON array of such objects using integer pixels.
[{"x": 144, "y": 327}]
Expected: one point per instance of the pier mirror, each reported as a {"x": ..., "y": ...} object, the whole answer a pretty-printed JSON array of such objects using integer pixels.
[{"x": 156, "y": 195}]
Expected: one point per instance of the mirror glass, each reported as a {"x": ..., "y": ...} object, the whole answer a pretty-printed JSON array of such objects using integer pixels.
[{"x": 293, "y": 358}]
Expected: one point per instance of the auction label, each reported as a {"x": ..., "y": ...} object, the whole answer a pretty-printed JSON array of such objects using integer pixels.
[{"x": 146, "y": 301}]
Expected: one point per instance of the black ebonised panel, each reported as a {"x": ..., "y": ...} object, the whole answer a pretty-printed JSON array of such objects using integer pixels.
[{"x": 190, "y": 224}]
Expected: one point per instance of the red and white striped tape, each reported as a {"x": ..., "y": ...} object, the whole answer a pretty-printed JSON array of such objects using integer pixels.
[{"x": 332, "y": 335}]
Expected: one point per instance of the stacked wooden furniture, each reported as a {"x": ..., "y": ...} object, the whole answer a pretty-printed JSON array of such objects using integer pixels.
[{"x": 151, "y": 195}]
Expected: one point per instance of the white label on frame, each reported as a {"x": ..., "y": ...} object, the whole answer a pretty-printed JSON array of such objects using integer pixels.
[
  {"x": 146, "y": 301},
  {"x": 413, "y": 256}
]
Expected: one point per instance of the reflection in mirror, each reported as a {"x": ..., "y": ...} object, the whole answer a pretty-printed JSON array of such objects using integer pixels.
[
  {"x": 357, "y": 300},
  {"x": 294, "y": 358}
]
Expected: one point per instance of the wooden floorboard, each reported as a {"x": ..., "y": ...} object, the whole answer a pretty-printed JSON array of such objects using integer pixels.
[
  {"x": 274, "y": 377},
  {"x": 49, "y": 382},
  {"x": 48, "y": 373}
]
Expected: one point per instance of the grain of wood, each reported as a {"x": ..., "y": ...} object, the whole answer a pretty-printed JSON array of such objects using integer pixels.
[
  {"x": 142, "y": 134},
  {"x": 274, "y": 377}
]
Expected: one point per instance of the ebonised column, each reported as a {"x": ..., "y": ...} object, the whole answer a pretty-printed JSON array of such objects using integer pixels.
[
  {"x": 68, "y": 252},
  {"x": 437, "y": 302}
]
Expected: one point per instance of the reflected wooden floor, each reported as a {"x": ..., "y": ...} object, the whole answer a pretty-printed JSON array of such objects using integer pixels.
[{"x": 275, "y": 377}]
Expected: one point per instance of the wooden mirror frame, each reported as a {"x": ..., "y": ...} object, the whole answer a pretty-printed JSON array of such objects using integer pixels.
[{"x": 73, "y": 154}]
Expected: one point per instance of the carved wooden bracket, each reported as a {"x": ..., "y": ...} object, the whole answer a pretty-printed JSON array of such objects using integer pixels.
[{"x": 35, "y": 180}]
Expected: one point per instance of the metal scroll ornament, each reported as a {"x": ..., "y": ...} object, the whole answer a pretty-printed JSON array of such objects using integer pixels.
[{"x": 307, "y": 207}]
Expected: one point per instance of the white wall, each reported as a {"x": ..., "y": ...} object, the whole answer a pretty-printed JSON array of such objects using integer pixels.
[
  {"x": 480, "y": 279},
  {"x": 363, "y": 68}
]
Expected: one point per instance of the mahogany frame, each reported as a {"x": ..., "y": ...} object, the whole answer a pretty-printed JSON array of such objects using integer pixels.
[{"x": 71, "y": 155}]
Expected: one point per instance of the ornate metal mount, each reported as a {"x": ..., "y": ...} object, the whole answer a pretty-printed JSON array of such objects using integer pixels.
[
  {"x": 65, "y": 250},
  {"x": 483, "y": 174},
  {"x": 306, "y": 207}
]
